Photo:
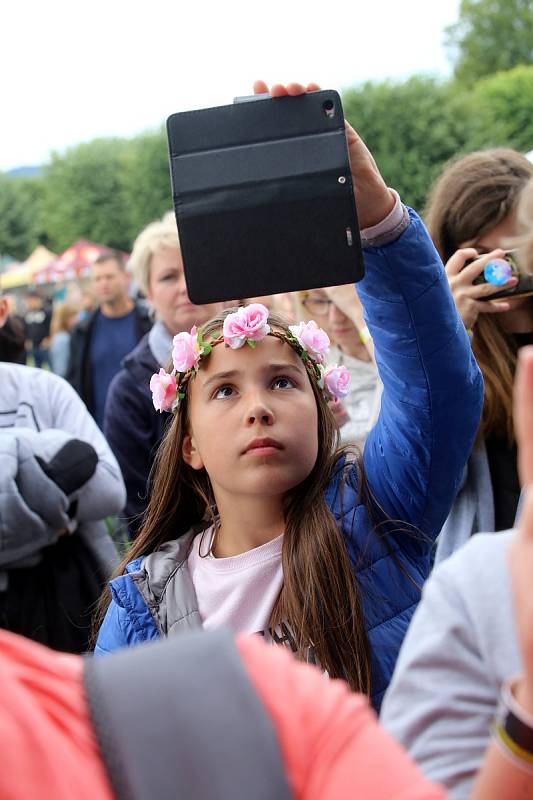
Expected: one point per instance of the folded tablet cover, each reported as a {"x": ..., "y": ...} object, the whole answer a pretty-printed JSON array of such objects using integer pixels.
[{"x": 263, "y": 197}]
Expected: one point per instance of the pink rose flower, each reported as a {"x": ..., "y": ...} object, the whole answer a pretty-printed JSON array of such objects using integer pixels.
[
  {"x": 163, "y": 388},
  {"x": 313, "y": 339},
  {"x": 249, "y": 323},
  {"x": 186, "y": 351},
  {"x": 336, "y": 382}
]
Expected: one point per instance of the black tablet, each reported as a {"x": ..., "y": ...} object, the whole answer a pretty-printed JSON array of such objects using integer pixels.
[{"x": 263, "y": 197}]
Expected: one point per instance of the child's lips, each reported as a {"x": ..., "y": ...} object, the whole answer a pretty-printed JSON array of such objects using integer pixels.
[{"x": 263, "y": 446}]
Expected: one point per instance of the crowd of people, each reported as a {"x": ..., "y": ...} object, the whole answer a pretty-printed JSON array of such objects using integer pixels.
[{"x": 337, "y": 476}]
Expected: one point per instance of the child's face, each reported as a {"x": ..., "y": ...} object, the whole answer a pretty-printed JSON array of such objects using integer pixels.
[{"x": 238, "y": 400}]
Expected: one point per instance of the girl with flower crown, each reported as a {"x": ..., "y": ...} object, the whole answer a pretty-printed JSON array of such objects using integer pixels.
[{"x": 257, "y": 519}]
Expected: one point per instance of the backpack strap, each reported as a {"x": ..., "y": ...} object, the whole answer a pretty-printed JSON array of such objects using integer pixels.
[{"x": 181, "y": 719}]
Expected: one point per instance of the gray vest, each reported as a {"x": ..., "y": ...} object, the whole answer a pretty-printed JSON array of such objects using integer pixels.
[{"x": 166, "y": 586}]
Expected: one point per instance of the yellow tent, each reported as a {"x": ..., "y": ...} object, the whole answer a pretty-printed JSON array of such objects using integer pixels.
[{"x": 22, "y": 274}]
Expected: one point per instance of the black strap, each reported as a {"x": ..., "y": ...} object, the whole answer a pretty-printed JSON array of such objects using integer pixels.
[{"x": 181, "y": 719}]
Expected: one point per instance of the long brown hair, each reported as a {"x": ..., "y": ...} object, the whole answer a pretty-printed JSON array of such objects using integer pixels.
[
  {"x": 319, "y": 600},
  {"x": 471, "y": 197}
]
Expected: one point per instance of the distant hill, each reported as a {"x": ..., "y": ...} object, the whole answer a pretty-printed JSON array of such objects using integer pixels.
[{"x": 24, "y": 172}]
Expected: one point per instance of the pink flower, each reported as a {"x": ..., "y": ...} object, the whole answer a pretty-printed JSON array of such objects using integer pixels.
[
  {"x": 336, "y": 381},
  {"x": 313, "y": 339},
  {"x": 163, "y": 388},
  {"x": 249, "y": 323},
  {"x": 186, "y": 351}
]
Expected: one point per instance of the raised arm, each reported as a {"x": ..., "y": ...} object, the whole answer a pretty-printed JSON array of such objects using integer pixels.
[{"x": 433, "y": 392}]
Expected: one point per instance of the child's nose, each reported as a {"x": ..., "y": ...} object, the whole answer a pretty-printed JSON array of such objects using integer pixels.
[{"x": 260, "y": 412}]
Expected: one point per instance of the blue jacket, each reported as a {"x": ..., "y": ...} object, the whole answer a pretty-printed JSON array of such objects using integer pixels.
[{"x": 413, "y": 459}]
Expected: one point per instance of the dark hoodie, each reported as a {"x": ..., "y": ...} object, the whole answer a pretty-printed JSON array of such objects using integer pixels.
[{"x": 133, "y": 427}]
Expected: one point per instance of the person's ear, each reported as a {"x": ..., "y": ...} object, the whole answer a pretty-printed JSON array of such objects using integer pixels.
[{"x": 191, "y": 454}]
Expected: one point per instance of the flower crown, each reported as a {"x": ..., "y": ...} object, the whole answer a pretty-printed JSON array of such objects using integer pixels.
[{"x": 248, "y": 325}]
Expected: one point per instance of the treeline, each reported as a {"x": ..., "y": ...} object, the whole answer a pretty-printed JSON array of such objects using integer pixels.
[{"x": 106, "y": 190}]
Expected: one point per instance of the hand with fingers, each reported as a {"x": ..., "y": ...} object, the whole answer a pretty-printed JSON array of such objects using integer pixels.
[
  {"x": 374, "y": 200},
  {"x": 471, "y": 298},
  {"x": 521, "y": 548}
]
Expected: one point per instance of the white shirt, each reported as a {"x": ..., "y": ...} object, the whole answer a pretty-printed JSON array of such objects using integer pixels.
[{"x": 239, "y": 591}]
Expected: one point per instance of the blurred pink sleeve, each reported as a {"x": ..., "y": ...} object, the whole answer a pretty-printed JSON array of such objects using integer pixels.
[{"x": 332, "y": 745}]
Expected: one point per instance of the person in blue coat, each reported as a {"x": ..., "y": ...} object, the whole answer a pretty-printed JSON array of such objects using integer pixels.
[{"x": 257, "y": 520}]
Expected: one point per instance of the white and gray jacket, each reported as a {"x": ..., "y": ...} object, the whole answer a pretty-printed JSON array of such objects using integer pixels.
[
  {"x": 39, "y": 413},
  {"x": 459, "y": 649}
]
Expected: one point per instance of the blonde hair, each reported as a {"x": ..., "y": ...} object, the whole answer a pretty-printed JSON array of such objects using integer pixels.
[
  {"x": 471, "y": 197},
  {"x": 61, "y": 316},
  {"x": 157, "y": 236}
]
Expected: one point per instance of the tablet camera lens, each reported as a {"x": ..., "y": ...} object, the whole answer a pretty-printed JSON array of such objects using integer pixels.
[{"x": 329, "y": 108}]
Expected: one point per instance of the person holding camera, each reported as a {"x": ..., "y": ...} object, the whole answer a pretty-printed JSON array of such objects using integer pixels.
[
  {"x": 471, "y": 214},
  {"x": 256, "y": 519}
]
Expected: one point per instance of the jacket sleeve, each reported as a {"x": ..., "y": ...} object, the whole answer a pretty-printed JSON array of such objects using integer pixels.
[
  {"x": 104, "y": 494},
  {"x": 116, "y": 631},
  {"x": 128, "y": 621},
  {"x": 32, "y": 508},
  {"x": 128, "y": 429},
  {"x": 443, "y": 696},
  {"x": 433, "y": 390}
]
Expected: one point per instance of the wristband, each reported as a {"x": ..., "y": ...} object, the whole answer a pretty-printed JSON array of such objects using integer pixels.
[
  {"x": 364, "y": 335},
  {"x": 513, "y": 730}
]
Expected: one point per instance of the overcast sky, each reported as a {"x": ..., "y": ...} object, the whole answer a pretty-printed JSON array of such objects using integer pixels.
[{"x": 72, "y": 71}]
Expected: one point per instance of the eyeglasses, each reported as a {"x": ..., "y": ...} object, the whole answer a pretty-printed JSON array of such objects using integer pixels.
[{"x": 317, "y": 306}]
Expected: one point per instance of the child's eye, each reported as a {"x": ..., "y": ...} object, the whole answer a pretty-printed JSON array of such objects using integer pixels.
[
  {"x": 222, "y": 392},
  {"x": 283, "y": 383}
]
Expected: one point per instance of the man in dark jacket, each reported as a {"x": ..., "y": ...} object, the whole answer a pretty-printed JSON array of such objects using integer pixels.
[{"x": 100, "y": 342}]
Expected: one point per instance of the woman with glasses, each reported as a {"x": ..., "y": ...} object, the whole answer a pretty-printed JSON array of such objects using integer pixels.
[{"x": 338, "y": 310}]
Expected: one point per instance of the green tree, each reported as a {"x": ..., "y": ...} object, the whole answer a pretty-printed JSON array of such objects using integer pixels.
[
  {"x": 412, "y": 128},
  {"x": 490, "y": 36},
  {"x": 503, "y": 106},
  {"x": 20, "y": 215},
  {"x": 145, "y": 180},
  {"x": 83, "y": 195}
]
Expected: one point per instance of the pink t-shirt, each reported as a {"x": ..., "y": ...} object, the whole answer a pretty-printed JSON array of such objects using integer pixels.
[{"x": 239, "y": 591}]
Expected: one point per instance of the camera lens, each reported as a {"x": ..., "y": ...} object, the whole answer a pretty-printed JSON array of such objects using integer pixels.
[{"x": 329, "y": 108}]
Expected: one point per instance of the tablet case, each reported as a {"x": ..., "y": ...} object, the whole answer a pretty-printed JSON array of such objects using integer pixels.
[{"x": 263, "y": 197}]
